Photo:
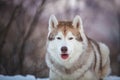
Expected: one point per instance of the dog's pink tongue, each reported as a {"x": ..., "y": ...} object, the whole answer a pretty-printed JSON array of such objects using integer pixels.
[{"x": 64, "y": 56}]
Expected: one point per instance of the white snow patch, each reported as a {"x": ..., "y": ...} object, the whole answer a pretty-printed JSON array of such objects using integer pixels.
[
  {"x": 112, "y": 78},
  {"x": 31, "y": 77},
  {"x": 20, "y": 77}
]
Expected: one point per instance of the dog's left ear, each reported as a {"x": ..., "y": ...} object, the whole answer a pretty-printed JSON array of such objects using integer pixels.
[
  {"x": 52, "y": 22},
  {"x": 77, "y": 22}
]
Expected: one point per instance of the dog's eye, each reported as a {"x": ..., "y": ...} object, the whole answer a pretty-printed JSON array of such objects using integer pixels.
[
  {"x": 59, "y": 38},
  {"x": 70, "y": 38}
]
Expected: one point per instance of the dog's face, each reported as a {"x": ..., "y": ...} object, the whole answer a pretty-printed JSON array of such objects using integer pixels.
[{"x": 65, "y": 40}]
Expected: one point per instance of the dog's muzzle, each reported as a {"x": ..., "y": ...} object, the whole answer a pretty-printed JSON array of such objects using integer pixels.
[{"x": 64, "y": 54}]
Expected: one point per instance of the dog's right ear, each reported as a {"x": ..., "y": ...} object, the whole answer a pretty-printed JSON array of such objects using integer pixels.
[{"x": 52, "y": 22}]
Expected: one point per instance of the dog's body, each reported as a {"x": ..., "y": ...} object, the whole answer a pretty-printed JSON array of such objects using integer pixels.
[{"x": 71, "y": 55}]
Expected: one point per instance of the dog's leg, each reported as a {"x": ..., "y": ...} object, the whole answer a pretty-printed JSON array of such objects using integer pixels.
[
  {"x": 54, "y": 76},
  {"x": 89, "y": 75},
  {"x": 105, "y": 61}
]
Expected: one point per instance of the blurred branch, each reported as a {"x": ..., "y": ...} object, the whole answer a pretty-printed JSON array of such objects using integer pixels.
[
  {"x": 29, "y": 31},
  {"x": 35, "y": 19},
  {"x": 6, "y": 30}
]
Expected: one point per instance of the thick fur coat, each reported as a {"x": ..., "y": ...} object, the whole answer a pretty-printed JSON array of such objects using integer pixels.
[{"x": 71, "y": 55}]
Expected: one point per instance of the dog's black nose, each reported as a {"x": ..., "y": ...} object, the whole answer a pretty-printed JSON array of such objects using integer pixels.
[{"x": 64, "y": 49}]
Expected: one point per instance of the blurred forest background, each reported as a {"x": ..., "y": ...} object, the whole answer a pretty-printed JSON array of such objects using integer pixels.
[{"x": 23, "y": 31}]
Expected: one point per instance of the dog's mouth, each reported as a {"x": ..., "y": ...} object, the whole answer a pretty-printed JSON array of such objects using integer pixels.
[{"x": 64, "y": 56}]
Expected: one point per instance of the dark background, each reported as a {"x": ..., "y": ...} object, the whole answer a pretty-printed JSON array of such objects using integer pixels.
[{"x": 23, "y": 31}]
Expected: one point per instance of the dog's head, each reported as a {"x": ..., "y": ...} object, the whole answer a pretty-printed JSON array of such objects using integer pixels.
[{"x": 66, "y": 40}]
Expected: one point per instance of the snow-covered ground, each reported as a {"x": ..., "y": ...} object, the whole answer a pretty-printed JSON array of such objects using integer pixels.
[
  {"x": 31, "y": 77},
  {"x": 19, "y": 77}
]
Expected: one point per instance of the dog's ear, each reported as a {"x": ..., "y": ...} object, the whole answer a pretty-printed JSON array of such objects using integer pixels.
[
  {"x": 77, "y": 22},
  {"x": 52, "y": 22}
]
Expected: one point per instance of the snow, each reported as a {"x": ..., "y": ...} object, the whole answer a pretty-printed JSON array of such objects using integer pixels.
[
  {"x": 20, "y": 77},
  {"x": 112, "y": 78},
  {"x": 31, "y": 77}
]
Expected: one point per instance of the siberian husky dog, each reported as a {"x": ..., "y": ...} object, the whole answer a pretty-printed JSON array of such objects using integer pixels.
[{"x": 71, "y": 55}]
